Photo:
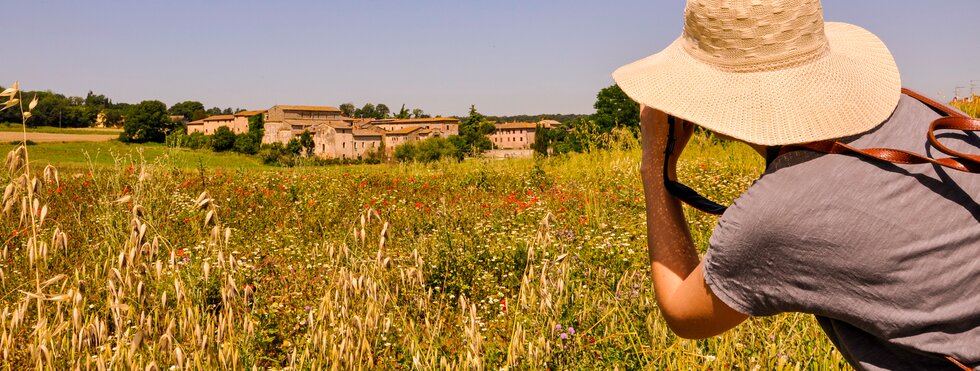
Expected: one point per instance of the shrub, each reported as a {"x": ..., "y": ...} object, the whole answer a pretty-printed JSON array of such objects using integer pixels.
[
  {"x": 405, "y": 152},
  {"x": 246, "y": 144},
  {"x": 198, "y": 140},
  {"x": 223, "y": 139},
  {"x": 429, "y": 150}
]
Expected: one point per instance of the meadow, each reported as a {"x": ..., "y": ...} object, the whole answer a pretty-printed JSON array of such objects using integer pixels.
[{"x": 146, "y": 257}]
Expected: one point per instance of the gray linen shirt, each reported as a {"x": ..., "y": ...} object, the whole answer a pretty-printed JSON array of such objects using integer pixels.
[{"x": 886, "y": 256}]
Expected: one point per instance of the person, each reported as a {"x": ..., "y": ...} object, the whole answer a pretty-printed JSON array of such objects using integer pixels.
[{"x": 884, "y": 255}]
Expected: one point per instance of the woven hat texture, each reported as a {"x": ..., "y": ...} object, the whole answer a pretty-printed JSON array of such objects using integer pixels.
[{"x": 768, "y": 72}]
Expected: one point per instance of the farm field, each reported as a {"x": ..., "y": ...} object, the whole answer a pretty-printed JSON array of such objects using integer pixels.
[
  {"x": 14, "y": 133},
  {"x": 149, "y": 258}
]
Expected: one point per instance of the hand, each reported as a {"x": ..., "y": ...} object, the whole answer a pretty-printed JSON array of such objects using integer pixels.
[{"x": 653, "y": 136}]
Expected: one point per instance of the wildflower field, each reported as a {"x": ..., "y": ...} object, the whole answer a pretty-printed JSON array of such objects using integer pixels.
[{"x": 486, "y": 264}]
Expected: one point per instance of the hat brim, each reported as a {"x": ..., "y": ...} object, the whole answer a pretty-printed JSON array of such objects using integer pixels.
[{"x": 851, "y": 89}]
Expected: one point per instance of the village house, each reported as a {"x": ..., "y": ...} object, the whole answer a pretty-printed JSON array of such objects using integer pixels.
[
  {"x": 212, "y": 123},
  {"x": 517, "y": 135},
  {"x": 367, "y": 139},
  {"x": 283, "y": 123},
  {"x": 196, "y": 126},
  {"x": 398, "y": 137},
  {"x": 333, "y": 139}
]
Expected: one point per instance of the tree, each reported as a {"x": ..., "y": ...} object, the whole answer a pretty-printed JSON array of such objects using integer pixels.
[
  {"x": 223, "y": 139},
  {"x": 615, "y": 109},
  {"x": 542, "y": 139},
  {"x": 382, "y": 111},
  {"x": 96, "y": 101},
  {"x": 187, "y": 109},
  {"x": 473, "y": 131},
  {"x": 147, "y": 122},
  {"x": 256, "y": 127},
  {"x": 213, "y": 111},
  {"x": 347, "y": 109},
  {"x": 307, "y": 143},
  {"x": 403, "y": 113},
  {"x": 418, "y": 113},
  {"x": 368, "y": 111},
  {"x": 293, "y": 147}
]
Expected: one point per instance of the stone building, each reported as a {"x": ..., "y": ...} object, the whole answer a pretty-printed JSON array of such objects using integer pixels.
[
  {"x": 283, "y": 123},
  {"x": 513, "y": 135},
  {"x": 366, "y": 140},
  {"x": 302, "y": 113},
  {"x": 399, "y": 137},
  {"x": 212, "y": 123},
  {"x": 439, "y": 126},
  {"x": 196, "y": 126},
  {"x": 240, "y": 123}
]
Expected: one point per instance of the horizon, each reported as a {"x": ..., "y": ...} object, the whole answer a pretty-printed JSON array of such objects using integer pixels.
[{"x": 507, "y": 58}]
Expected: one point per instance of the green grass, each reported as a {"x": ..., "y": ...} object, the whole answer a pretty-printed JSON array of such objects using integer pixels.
[
  {"x": 11, "y": 127},
  {"x": 447, "y": 265},
  {"x": 107, "y": 154}
]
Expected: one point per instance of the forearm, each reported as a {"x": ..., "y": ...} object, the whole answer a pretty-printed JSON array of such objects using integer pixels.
[{"x": 672, "y": 254}]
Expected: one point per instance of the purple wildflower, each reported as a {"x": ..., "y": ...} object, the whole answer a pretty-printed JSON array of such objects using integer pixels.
[
  {"x": 571, "y": 331},
  {"x": 563, "y": 336}
]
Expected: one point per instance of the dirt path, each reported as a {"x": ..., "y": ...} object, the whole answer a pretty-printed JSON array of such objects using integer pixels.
[{"x": 7, "y": 137}]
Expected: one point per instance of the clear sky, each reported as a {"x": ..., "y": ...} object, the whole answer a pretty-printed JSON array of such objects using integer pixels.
[{"x": 506, "y": 56}]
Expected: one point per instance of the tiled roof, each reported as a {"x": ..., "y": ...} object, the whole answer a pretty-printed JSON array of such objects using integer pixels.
[
  {"x": 310, "y": 108},
  {"x": 517, "y": 125},
  {"x": 250, "y": 113},
  {"x": 405, "y": 131},
  {"x": 198, "y": 122},
  {"x": 368, "y": 132},
  {"x": 220, "y": 118}
]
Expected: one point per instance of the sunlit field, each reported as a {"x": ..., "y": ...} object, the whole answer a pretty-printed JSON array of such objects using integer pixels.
[{"x": 134, "y": 261}]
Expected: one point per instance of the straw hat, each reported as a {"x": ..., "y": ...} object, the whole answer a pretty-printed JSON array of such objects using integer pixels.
[{"x": 768, "y": 72}]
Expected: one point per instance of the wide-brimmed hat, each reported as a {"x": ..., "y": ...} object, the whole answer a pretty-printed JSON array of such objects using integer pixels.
[{"x": 768, "y": 72}]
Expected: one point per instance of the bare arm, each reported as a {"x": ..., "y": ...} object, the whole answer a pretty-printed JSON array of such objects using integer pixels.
[{"x": 686, "y": 301}]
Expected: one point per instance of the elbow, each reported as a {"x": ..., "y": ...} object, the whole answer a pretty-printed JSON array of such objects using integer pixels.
[
  {"x": 693, "y": 327},
  {"x": 690, "y": 331}
]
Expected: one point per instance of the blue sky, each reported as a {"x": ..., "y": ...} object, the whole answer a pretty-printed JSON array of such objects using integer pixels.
[{"x": 506, "y": 57}]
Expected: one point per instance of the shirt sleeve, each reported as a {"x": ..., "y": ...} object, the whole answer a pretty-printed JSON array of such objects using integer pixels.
[
  {"x": 737, "y": 266},
  {"x": 760, "y": 264}
]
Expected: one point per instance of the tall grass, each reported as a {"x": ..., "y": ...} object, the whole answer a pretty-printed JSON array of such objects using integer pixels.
[
  {"x": 970, "y": 106},
  {"x": 484, "y": 264}
]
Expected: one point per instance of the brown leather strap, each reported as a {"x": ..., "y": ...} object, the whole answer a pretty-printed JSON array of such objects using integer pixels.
[
  {"x": 961, "y": 366},
  {"x": 936, "y": 106},
  {"x": 953, "y": 121}
]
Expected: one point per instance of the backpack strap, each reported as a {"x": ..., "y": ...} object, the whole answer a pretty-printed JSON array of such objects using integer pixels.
[{"x": 952, "y": 120}]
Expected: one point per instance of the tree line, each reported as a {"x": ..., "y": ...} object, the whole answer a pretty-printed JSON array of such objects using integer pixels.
[
  {"x": 380, "y": 111},
  {"x": 59, "y": 110}
]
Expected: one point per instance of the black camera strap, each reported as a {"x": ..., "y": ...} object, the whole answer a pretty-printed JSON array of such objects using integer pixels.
[{"x": 683, "y": 192}]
